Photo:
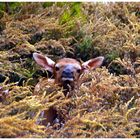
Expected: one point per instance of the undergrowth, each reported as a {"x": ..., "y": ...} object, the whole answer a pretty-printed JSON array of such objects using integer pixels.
[{"x": 106, "y": 105}]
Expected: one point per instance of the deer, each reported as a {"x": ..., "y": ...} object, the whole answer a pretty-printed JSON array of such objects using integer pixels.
[{"x": 67, "y": 72}]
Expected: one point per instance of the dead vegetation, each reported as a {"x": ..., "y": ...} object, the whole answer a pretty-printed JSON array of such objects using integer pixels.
[{"x": 107, "y": 103}]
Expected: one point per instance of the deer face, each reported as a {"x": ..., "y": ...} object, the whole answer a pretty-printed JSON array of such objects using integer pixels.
[{"x": 67, "y": 70}]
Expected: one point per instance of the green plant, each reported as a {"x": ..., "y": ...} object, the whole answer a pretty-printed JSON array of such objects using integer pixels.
[
  {"x": 47, "y": 4},
  {"x": 84, "y": 47},
  {"x": 73, "y": 11}
]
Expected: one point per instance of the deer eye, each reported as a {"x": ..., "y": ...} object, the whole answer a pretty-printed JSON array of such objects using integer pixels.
[
  {"x": 57, "y": 68},
  {"x": 79, "y": 70}
]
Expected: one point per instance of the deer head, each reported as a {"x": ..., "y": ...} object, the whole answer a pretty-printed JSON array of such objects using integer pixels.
[{"x": 67, "y": 70}]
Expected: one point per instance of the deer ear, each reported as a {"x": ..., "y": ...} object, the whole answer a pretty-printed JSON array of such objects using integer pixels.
[
  {"x": 44, "y": 62},
  {"x": 93, "y": 63}
]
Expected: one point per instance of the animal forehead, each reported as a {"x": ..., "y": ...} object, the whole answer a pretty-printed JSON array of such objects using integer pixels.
[{"x": 68, "y": 61}]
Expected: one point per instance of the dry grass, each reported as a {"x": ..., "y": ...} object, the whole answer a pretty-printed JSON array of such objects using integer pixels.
[{"x": 106, "y": 105}]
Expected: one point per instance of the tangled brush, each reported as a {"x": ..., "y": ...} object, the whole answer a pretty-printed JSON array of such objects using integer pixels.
[{"x": 107, "y": 103}]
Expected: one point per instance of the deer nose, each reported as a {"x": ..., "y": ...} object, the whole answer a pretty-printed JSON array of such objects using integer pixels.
[{"x": 67, "y": 73}]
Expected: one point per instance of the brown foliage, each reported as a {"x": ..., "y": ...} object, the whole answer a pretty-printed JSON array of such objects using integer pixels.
[{"x": 107, "y": 104}]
